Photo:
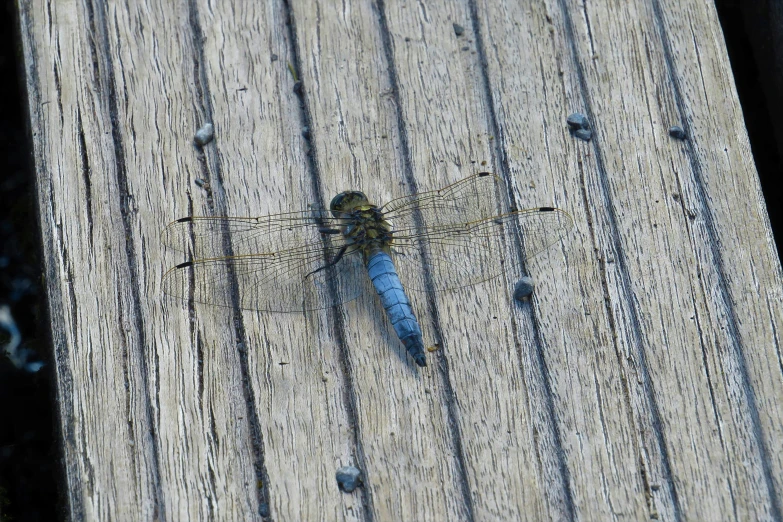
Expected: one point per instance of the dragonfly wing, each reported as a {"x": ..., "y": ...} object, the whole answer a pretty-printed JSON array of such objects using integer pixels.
[
  {"x": 471, "y": 199},
  {"x": 268, "y": 263},
  {"x": 463, "y": 254},
  {"x": 464, "y": 233},
  {"x": 213, "y": 237},
  {"x": 280, "y": 282}
]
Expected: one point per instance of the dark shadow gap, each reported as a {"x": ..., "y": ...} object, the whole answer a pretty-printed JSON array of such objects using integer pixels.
[
  {"x": 753, "y": 32},
  {"x": 29, "y": 446}
]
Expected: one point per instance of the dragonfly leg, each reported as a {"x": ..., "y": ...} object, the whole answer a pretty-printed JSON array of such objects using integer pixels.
[
  {"x": 327, "y": 230},
  {"x": 333, "y": 262}
]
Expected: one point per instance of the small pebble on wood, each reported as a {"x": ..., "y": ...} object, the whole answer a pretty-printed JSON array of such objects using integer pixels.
[
  {"x": 274, "y": 57},
  {"x": 577, "y": 121},
  {"x": 204, "y": 135},
  {"x": 677, "y": 132},
  {"x": 459, "y": 30},
  {"x": 583, "y": 134},
  {"x": 579, "y": 127},
  {"x": 524, "y": 288},
  {"x": 299, "y": 88},
  {"x": 349, "y": 478}
]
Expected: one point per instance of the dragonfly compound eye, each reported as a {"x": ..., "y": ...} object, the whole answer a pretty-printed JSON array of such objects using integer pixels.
[{"x": 347, "y": 201}]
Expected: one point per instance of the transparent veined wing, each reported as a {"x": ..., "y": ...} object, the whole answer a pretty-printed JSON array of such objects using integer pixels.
[
  {"x": 471, "y": 199},
  {"x": 205, "y": 237},
  {"x": 462, "y": 234},
  {"x": 273, "y": 264}
]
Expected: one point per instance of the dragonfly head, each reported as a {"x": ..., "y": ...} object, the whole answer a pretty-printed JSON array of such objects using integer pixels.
[{"x": 347, "y": 201}]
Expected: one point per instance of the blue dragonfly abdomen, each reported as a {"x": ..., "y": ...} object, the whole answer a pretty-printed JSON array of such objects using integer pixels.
[{"x": 398, "y": 308}]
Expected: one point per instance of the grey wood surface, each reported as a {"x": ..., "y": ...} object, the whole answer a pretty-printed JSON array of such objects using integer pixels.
[{"x": 644, "y": 379}]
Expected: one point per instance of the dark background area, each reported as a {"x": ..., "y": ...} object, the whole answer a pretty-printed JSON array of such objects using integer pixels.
[
  {"x": 30, "y": 467},
  {"x": 29, "y": 459},
  {"x": 753, "y": 30}
]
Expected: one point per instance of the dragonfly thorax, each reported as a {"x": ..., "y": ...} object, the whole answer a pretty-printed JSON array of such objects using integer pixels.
[{"x": 364, "y": 226}]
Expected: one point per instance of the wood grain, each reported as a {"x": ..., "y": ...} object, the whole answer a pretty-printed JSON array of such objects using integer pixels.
[{"x": 643, "y": 379}]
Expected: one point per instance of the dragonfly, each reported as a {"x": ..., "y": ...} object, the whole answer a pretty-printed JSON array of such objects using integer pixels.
[{"x": 433, "y": 241}]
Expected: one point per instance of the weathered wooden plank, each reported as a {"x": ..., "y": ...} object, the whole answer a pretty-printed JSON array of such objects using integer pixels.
[
  {"x": 673, "y": 387},
  {"x": 259, "y": 165},
  {"x": 204, "y": 431},
  {"x": 643, "y": 380},
  {"x": 84, "y": 240},
  {"x": 491, "y": 351},
  {"x": 600, "y": 475},
  {"x": 411, "y": 462},
  {"x": 188, "y": 426},
  {"x": 740, "y": 269},
  {"x": 680, "y": 218}
]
